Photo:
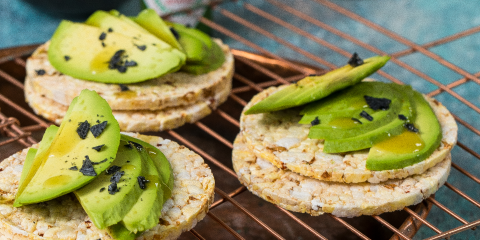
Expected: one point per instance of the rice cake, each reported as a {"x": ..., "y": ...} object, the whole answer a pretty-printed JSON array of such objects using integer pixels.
[
  {"x": 280, "y": 139},
  {"x": 298, "y": 193},
  {"x": 64, "y": 217},
  {"x": 133, "y": 120},
  {"x": 173, "y": 89}
]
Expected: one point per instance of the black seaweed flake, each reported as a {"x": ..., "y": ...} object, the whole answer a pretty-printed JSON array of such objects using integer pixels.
[
  {"x": 99, "y": 147},
  {"x": 116, "y": 59},
  {"x": 402, "y": 117},
  {"x": 123, "y": 87},
  {"x": 116, "y": 177},
  {"x": 74, "y": 168},
  {"x": 366, "y": 116},
  {"x": 130, "y": 63},
  {"x": 98, "y": 128},
  {"x": 40, "y": 72},
  {"x": 410, "y": 127},
  {"x": 315, "y": 121},
  {"x": 67, "y": 58},
  {"x": 128, "y": 145},
  {"x": 112, "y": 188},
  {"x": 102, "y": 36},
  {"x": 96, "y": 163},
  {"x": 355, "y": 60},
  {"x": 137, "y": 145},
  {"x": 175, "y": 33},
  {"x": 82, "y": 129},
  {"x": 87, "y": 167},
  {"x": 102, "y": 189},
  {"x": 110, "y": 30},
  {"x": 113, "y": 169},
  {"x": 103, "y": 44},
  {"x": 141, "y": 47},
  {"x": 357, "y": 120},
  {"x": 142, "y": 182},
  {"x": 378, "y": 103}
]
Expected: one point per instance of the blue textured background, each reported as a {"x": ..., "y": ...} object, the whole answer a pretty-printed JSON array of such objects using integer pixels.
[{"x": 418, "y": 21}]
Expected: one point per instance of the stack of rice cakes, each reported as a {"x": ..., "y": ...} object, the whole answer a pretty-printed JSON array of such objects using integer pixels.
[
  {"x": 159, "y": 104},
  {"x": 274, "y": 158}
]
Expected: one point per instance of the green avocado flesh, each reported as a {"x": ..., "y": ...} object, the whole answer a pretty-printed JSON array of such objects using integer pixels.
[
  {"x": 88, "y": 59},
  {"x": 203, "y": 54},
  {"x": 57, "y": 168},
  {"x": 368, "y": 139},
  {"x": 340, "y": 116},
  {"x": 148, "y": 208},
  {"x": 153, "y": 23},
  {"x": 104, "y": 208},
  {"x": 313, "y": 88},
  {"x": 408, "y": 148}
]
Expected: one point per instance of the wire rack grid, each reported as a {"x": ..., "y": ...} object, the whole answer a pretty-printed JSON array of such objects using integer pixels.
[{"x": 254, "y": 26}]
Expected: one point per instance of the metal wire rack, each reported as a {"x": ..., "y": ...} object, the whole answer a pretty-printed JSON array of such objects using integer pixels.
[{"x": 238, "y": 214}]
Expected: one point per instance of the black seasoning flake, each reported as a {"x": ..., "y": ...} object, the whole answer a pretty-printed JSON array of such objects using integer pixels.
[
  {"x": 74, "y": 168},
  {"x": 355, "y": 60},
  {"x": 96, "y": 163},
  {"x": 141, "y": 47},
  {"x": 103, "y": 44},
  {"x": 315, "y": 121},
  {"x": 402, "y": 117},
  {"x": 67, "y": 58},
  {"x": 110, "y": 30},
  {"x": 357, "y": 120},
  {"x": 137, "y": 145},
  {"x": 123, "y": 88},
  {"x": 82, "y": 129},
  {"x": 116, "y": 59},
  {"x": 410, "y": 127},
  {"x": 122, "y": 69},
  {"x": 175, "y": 33},
  {"x": 142, "y": 182},
  {"x": 102, "y": 36},
  {"x": 98, "y": 128},
  {"x": 116, "y": 177},
  {"x": 366, "y": 116},
  {"x": 87, "y": 167},
  {"x": 129, "y": 146},
  {"x": 112, "y": 188},
  {"x": 40, "y": 72},
  {"x": 99, "y": 147},
  {"x": 130, "y": 63},
  {"x": 102, "y": 189},
  {"x": 113, "y": 169},
  {"x": 378, "y": 103}
]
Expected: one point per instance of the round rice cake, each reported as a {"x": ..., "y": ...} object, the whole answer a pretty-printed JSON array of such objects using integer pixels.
[
  {"x": 64, "y": 217},
  {"x": 132, "y": 120},
  {"x": 280, "y": 139},
  {"x": 298, "y": 193},
  {"x": 173, "y": 89}
]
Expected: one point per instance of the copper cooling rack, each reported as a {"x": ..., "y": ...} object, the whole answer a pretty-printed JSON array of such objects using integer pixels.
[{"x": 238, "y": 214}]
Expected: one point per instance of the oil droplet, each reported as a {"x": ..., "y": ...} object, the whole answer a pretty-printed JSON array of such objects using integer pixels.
[
  {"x": 100, "y": 62},
  {"x": 126, "y": 94},
  {"x": 343, "y": 123},
  {"x": 57, "y": 181},
  {"x": 154, "y": 181},
  {"x": 406, "y": 142},
  {"x": 127, "y": 168}
]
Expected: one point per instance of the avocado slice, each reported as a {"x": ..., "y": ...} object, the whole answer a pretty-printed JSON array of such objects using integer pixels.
[
  {"x": 153, "y": 23},
  {"x": 314, "y": 88},
  {"x": 113, "y": 21},
  {"x": 119, "y": 232},
  {"x": 334, "y": 124},
  {"x": 148, "y": 208},
  {"x": 107, "y": 203},
  {"x": 45, "y": 143},
  {"x": 62, "y": 166},
  {"x": 409, "y": 147},
  {"x": 161, "y": 163},
  {"x": 77, "y": 50},
  {"x": 368, "y": 139},
  {"x": 214, "y": 59}
]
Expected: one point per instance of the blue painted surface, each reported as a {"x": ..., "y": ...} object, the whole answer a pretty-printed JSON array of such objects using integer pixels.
[{"x": 417, "y": 21}]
